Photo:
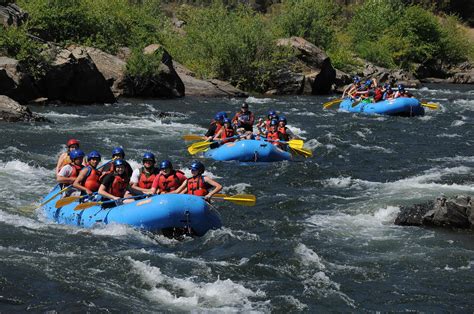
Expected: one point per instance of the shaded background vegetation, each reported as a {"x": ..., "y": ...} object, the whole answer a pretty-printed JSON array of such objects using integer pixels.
[{"x": 235, "y": 40}]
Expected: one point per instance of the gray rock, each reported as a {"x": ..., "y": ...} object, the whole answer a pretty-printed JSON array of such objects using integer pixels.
[
  {"x": 11, "y": 111},
  {"x": 383, "y": 75},
  {"x": 14, "y": 83},
  {"x": 74, "y": 77},
  {"x": 12, "y": 15},
  {"x": 286, "y": 82},
  {"x": 319, "y": 68},
  {"x": 456, "y": 212}
]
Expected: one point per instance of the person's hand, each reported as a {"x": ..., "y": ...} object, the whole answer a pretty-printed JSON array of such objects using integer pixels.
[
  {"x": 207, "y": 198},
  {"x": 89, "y": 192}
]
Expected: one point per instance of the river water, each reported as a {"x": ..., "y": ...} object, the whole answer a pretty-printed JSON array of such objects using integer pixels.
[{"x": 321, "y": 237}]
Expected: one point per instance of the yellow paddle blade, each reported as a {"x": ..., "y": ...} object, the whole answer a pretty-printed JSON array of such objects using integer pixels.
[
  {"x": 86, "y": 205},
  {"x": 193, "y": 137},
  {"x": 52, "y": 197},
  {"x": 301, "y": 151},
  {"x": 430, "y": 105},
  {"x": 199, "y": 147},
  {"x": 296, "y": 143},
  {"x": 239, "y": 199},
  {"x": 331, "y": 103},
  {"x": 67, "y": 200}
]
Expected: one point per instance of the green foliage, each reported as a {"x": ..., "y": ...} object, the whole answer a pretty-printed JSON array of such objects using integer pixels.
[
  {"x": 15, "y": 43},
  {"x": 454, "y": 46},
  {"x": 141, "y": 64},
  {"x": 233, "y": 45},
  {"x": 103, "y": 24},
  {"x": 341, "y": 53},
  {"x": 313, "y": 20}
]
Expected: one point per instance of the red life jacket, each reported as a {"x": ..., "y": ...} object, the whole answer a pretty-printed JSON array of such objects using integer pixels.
[
  {"x": 226, "y": 134},
  {"x": 171, "y": 182},
  {"x": 283, "y": 133},
  {"x": 91, "y": 181},
  {"x": 75, "y": 170},
  {"x": 197, "y": 186},
  {"x": 218, "y": 127},
  {"x": 146, "y": 181},
  {"x": 118, "y": 187},
  {"x": 378, "y": 94}
]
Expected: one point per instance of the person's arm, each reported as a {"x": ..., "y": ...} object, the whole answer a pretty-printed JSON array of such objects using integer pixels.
[
  {"x": 60, "y": 162},
  {"x": 216, "y": 185},
  {"x": 108, "y": 180},
  {"x": 154, "y": 187},
  {"x": 235, "y": 119},
  {"x": 251, "y": 119},
  {"x": 63, "y": 176},
  {"x": 183, "y": 188},
  {"x": 219, "y": 134},
  {"x": 211, "y": 131},
  {"x": 77, "y": 183}
]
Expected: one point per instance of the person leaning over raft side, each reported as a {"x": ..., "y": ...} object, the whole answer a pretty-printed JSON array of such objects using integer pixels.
[
  {"x": 64, "y": 159},
  {"x": 198, "y": 184},
  {"x": 88, "y": 179},
  {"x": 168, "y": 180},
  {"x": 142, "y": 178},
  {"x": 115, "y": 185},
  {"x": 117, "y": 153},
  {"x": 226, "y": 133}
]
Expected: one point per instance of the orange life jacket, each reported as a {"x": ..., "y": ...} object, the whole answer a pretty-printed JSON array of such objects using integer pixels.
[
  {"x": 378, "y": 94},
  {"x": 274, "y": 137},
  {"x": 197, "y": 186},
  {"x": 75, "y": 170},
  {"x": 171, "y": 182},
  {"x": 226, "y": 134},
  {"x": 91, "y": 181},
  {"x": 118, "y": 187},
  {"x": 146, "y": 180}
]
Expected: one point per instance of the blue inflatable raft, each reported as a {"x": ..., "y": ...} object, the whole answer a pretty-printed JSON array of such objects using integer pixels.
[
  {"x": 156, "y": 214},
  {"x": 407, "y": 107},
  {"x": 248, "y": 151}
]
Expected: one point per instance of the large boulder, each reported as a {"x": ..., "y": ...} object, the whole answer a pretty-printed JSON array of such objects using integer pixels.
[
  {"x": 455, "y": 212},
  {"x": 317, "y": 65},
  {"x": 14, "y": 83},
  {"x": 382, "y": 75},
  {"x": 74, "y": 77},
  {"x": 11, "y": 111},
  {"x": 12, "y": 15},
  {"x": 462, "y": 74}
]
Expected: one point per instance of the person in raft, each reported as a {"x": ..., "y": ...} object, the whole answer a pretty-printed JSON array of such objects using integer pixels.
[
  {"x": 68, "y": 174},
  {"x": 198, "y": 184},
  {"x": 227, "y": 133},
  {"x": 117, "y": 153},
  {"x": 64, "y": 159},
  {"x": 88, "y": 179},
  {"x": 116, "y": 185},
  {"x": 215, "y": 127},
  {"x": 142, "y": 178},
  {"x": 244, "y": 120},
  {"x": 168, "y": 180}
]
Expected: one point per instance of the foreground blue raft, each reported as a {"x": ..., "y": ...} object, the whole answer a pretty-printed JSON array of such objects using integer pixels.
[
  {"x": 407, "y": 107},
  {"x": 248, "y": 151},
  {"x": 154, "y": 214}
]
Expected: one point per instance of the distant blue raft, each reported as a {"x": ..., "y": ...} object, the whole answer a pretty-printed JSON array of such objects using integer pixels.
[
  {"x": 248, "y": 151},
  {"x": 407, "y": 107},
  {"x": 153, "y": 214}
]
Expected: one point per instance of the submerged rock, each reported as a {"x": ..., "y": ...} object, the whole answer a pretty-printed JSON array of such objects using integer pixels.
[
  {"x": 11, "y": 111},
  {"x": 455, "y": 212}
]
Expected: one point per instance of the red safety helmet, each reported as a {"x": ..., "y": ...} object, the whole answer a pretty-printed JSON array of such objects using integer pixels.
[{"x": 72, "y": 142}]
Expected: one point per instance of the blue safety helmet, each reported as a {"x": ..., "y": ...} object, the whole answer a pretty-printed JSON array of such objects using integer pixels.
[
  {"x": 401, "y": 87},
  {"x": 166, "y": 164},
  {"x": 119, "y": 162},
  {"x": 356, "y": 79},
  {"x": 282, "y": 118},
  {"x": 197, "y": 166},
  {"x": 94, "y": 154},
  {"x": 118, "y": 151},
  {"x": 368, "y": 83},
  {"x": 272, "y": 113},
  {"x": 274, "y": 122},
  {"x": 227, "y": 120},
  {"x": 77, "y": 153},
  {"x": 148, "y": 156}
]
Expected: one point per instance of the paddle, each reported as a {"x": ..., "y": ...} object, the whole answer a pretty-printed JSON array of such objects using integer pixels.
[
  {"x": 203, "y": 146},
  {"x": 301, "y": 151},
  {"x": 54, "y": 196},
  {"x": 239, "y": 199},
  {"x": 430, "y": 105},
  {"x": 331, "y": 103},
  {"x": 91, "y": 204},
  {"x": 193, "y": 137}
]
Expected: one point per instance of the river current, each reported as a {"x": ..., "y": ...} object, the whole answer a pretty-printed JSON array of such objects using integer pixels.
[{"x": 321, "y": 237}]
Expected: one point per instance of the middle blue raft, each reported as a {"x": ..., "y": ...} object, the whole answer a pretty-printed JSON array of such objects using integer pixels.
[{"x": 248, "y": 151}]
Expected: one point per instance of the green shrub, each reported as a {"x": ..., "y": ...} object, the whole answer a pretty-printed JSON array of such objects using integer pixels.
[
  {"x": 15, "y": 43},
  {"x": 233, "y": 45},
  {"x": 455, "y": 47},
  {"x": 140, "y": 64},
  {"x": 313, "y": 20}
]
